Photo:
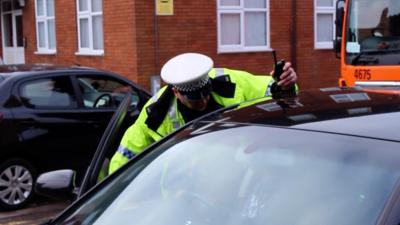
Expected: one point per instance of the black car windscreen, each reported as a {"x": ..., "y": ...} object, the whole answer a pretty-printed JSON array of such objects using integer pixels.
[{"x": 250, "y": 175}]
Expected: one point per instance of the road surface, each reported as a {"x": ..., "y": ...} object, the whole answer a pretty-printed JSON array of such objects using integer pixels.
[{"x": 34, "y": 214}]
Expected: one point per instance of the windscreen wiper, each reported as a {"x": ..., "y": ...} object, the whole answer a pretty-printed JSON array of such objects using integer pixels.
[{"x": 371, "y": 59}]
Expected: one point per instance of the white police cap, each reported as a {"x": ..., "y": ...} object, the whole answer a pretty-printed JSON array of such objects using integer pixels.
[{"x": 188, "y": 71}]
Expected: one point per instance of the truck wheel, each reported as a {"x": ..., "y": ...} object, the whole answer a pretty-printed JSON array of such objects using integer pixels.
[{"x": 17, "y": 178}]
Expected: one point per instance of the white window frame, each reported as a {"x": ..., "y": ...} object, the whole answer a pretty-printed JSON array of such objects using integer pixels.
[
  {"x": 241, "y": 11},
  {"x": 45, "y": 19},
  {"x": 88, "y": 14},
  {"x": 318, "y": 10}
]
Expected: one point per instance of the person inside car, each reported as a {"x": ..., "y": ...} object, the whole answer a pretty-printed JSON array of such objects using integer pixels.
[{"x": 193, "y": 89}]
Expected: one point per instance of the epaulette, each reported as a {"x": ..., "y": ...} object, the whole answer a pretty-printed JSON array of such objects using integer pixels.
[
  {"x": 223, "y": 86},
  {"x": 157, "y": 111}
]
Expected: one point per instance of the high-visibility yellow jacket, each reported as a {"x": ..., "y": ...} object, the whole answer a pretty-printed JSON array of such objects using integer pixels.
[{"x": 160, "y": 115}]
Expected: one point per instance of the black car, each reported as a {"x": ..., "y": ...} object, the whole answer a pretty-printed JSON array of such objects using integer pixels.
[
  {"x": 327, "y": 156},
  {"x": 52, "y": 117}
]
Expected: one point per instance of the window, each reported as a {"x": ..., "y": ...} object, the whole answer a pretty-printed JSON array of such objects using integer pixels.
[
  {"x": 49, "y": 92},
  {"x": 90, "y": 27},
  {"x": 102, "y": 92},
  {"x": 324, "y": 23},
  {"x": 45, "y": 26},
  {"x": 243, "y": 25}
]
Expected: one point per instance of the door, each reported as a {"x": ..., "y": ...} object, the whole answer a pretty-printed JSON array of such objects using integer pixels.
[
  {"x": 64, "y": 116},
  {"x": 13, "y": 41},
  {"x": 107, "y": 146}
]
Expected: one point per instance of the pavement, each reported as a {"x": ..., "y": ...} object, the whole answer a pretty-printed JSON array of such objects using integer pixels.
[{"x": 36, "y": 213}]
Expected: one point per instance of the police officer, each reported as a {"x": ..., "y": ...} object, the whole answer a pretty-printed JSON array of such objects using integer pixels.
[{"x": 194, "y": 89}]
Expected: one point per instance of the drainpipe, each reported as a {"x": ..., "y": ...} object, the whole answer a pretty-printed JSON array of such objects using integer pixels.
[
  {"x": 293, "y": 36},
  {"x": 155, "y": 81},
  {"x": 156, "y": 41}
]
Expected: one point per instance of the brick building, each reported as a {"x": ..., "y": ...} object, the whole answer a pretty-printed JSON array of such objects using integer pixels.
[{"x": 135, "y": 37}]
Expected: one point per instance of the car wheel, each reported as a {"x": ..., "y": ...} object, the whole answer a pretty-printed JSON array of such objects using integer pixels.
[{"x": 17, "y": 178}]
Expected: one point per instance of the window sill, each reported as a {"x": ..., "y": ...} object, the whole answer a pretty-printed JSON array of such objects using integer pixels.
[
  {"x": 99, "y": 53},
  {"x": 45, "y": 52},
  {"x": 223, "y": 51},
  {"x": 323, "y": 46}
]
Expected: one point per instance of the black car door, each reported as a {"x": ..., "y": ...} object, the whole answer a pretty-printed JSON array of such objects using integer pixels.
[
  {"x": 100, "y": 95},
  {"x": 59, "y": 124},
  {"x": 50, "y": 125},
  {"x": 107, "y": 146}
]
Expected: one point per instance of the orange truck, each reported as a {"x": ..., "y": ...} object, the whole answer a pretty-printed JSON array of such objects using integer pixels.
[{"x": 368, "y": 43}]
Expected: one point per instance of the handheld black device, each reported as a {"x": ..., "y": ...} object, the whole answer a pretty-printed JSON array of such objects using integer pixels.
[
  {"x": 278, "y": 67},
  {"x": 276, "y": 90}
]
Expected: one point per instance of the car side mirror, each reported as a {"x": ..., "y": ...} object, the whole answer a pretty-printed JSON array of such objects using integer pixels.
[
  {"x": 337, "y": 44},
  {"x": 339, "y": 26},
  {"x": 58, "y": 184}
]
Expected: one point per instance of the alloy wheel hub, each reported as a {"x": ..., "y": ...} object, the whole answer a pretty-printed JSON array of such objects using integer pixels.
[{"x": 15, "y": 185}]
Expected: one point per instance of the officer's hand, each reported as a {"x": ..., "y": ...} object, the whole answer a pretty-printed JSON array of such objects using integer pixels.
[{"x": 288, "y": 77}]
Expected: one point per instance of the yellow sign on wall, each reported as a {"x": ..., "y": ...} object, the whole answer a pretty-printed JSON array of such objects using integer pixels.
[{"x": 164, "y": 7}]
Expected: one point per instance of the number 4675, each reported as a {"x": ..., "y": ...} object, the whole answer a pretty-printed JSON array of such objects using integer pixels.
[{"x": 362, "y": 74}]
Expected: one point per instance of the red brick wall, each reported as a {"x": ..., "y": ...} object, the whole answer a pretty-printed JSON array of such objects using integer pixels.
[
  {"x": 193, "y": 28},
  {"x": 119, "y": 37},
  {"x": 147, "y": 55},
  {"x": 316, "y": 67},
  {"x": 137, "y": 43}
]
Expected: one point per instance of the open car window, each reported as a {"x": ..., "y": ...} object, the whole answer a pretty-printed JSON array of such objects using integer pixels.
[{"x": 104, "y": 92}]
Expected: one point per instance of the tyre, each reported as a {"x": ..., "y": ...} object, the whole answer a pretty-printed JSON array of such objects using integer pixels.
[{"x": 17, "y": 179}]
